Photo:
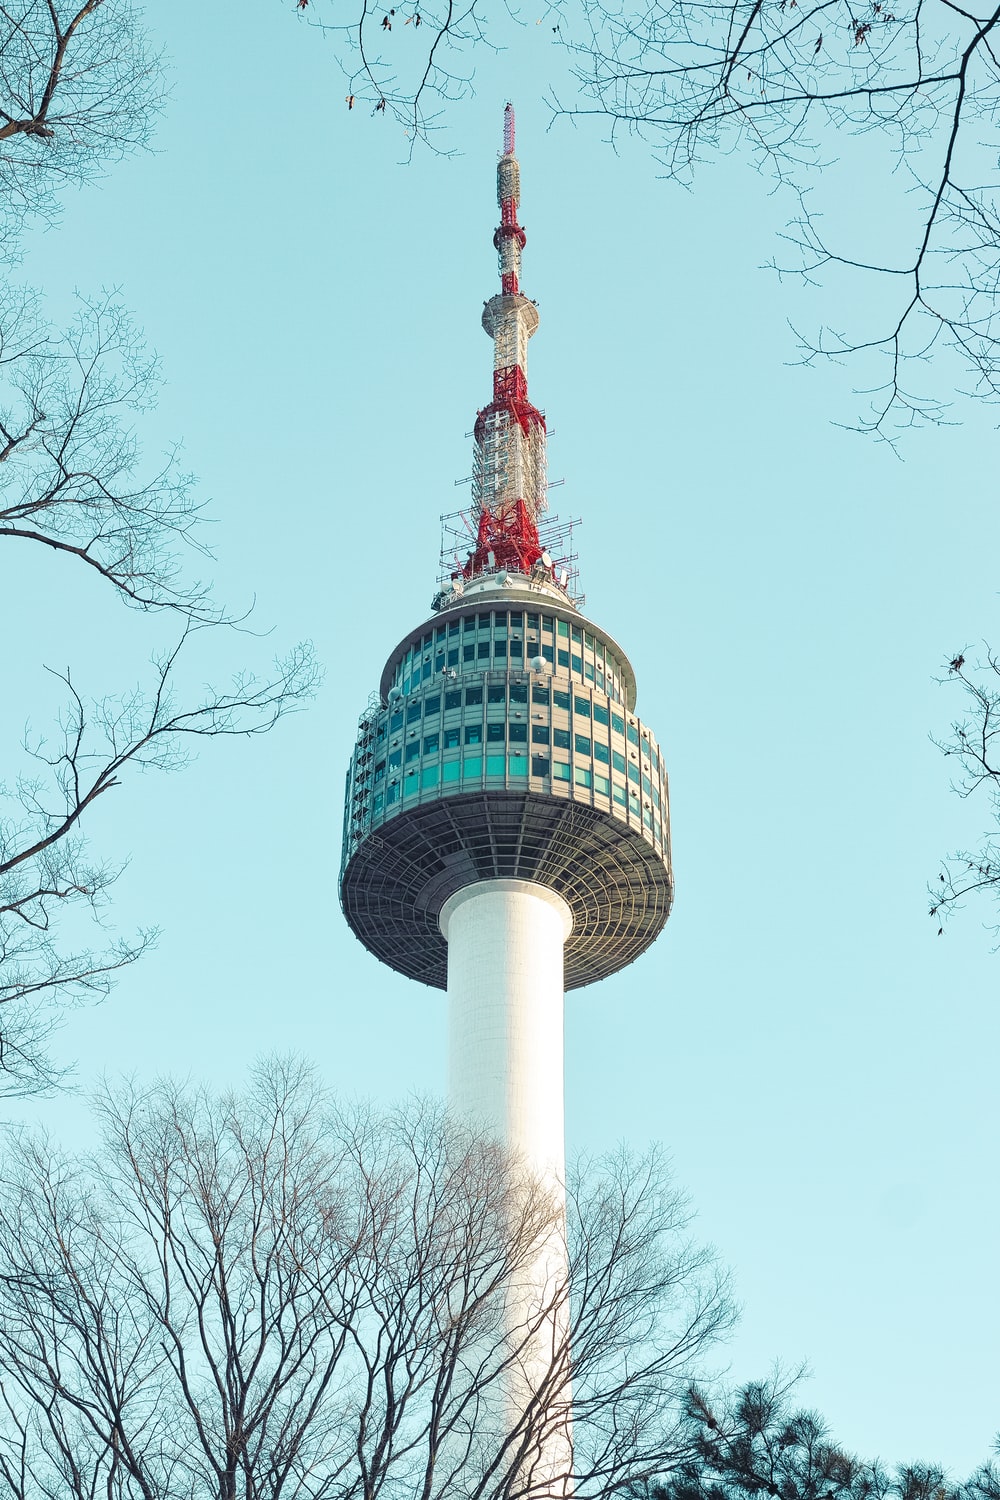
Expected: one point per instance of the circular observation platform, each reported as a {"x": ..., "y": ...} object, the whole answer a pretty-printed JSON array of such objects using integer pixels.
[
  {"x": 503, "y": 744},
  {"x": 616, "y": 883}
]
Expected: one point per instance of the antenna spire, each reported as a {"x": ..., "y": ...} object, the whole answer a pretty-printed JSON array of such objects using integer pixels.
[{"x": 508, "y": 473}]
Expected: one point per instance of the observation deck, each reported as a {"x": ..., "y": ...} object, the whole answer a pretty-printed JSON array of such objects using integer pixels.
[{"x": 503, "y": 744}]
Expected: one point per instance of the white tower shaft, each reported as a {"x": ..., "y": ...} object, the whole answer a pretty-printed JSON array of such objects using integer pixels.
[{"x": 505, "y": 1075}]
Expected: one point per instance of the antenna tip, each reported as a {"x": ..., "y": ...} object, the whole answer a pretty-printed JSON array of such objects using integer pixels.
[{"x": 508, "y": 129}]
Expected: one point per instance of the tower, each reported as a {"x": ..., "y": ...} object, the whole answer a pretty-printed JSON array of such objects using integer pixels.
[{"x": 506, "y": 829}]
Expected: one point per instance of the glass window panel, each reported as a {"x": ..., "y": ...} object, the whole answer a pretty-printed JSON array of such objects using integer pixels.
[
  {"x": 378, "y": 802},
  {"x": 473, "y": 695},
  {"x": 619, "y": 794},
  {"x": 449, "y": 771},
  {"x": 517, "y": 765},
  {"x": 560, "y": 699},
  {"x": 473, "y": 734},
  {"x": 582, "y": 706},
  {"x": 392, "y": 795},
  {"x": 601, "y": 752},
  {"x": 432, "y": 705},
  {"x": 647, "y": 786},
  {"x": 452, "y": 737},
  {"x": 632, "y": 734},
  {"x": 617, "y": 724},
  {"x": 547, "y": 653},
  {"x": 485, "y": 620},
  {"x": 396, "y": 720},
  {"x": 380, "y": 770},
  {"x": 428, "y": 669},
  {"x": 496, "y": 692},
  {"x": 582, "y": 776},
  {"x": 583, "y": 744},
  {"x": 453, "y": 699},
  {"x": 588, "y": 671},
  {"x": 561, "y": 770},
  {"x": 500, "y": 650},
  {"x": 618, "y": 761},
  {"x": 547, "y": 625},
  {"x": 540, "y": 734},
  {"x": 540, "y": 694},
  {"x": 472, "y": 765},
  {"x": 532, "y": 621},
  {"x": 469, "y": 651},
  {"x": 516, "y": 619},
  {"x": 539, "y": 765},
  {"x": 602, "y": 784},
  {"x": 395, "y": 759},
  {"x": 495, "y": 732},
  {"x": 560, "y": 738},
  {"x": 453, "y": 628},
  {"x": 412, "y": 750},
  {"x": 483, "y": 650},
  {"x": 496, "y": 765},
  {"x": 428, "y": 640},
  {"x": 588, "y": 640},
  {"x": 519, "y": 692},
  {"x": 453, "y": 657},
  {"x": 430, "y": 744},
  {"x": 633, "y": 774},
  {"x": 577, "y": 633},
  {"x": 429, "y": 776},
  {"x": 563, "y": 628},
  {"x": 501, "y": 618},
  {"x": 517, "y": 648},
  {"x": 601, "y": 714},
  {"x": 577, "y": 662},
  {"x": 517, "y": 734}
]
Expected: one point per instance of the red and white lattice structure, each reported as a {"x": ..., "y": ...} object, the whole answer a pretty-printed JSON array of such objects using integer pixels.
[{"x": 508, "y": 473}]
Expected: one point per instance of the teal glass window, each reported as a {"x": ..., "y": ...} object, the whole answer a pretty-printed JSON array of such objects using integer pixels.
[
  {"x": 547, "y": 625},
  {"x": 547, "y": 653},
  {"x": 495, "y": 732},
  {"x": 473, "y": 734},
  {"x": 582, "y": 706},
  {"x": 519, "y": 692},
  {"x": 617, "y": 724},
  {"x": 618, "y": 792},
  {"x": 428, "y": 669},
  {"x": 496, "y": 765},
  {"x": 601, "y": 752},
  {"x": 561, "y": 739},
  {"x": 647, "y": 786},
  {"x": 602, "y": 784},
  {"x": 429, "y": 776},
  {"x": 532, "y": 621},
  {"x": 560, "y": 699},
  {"x": 618, "y": 761},
  {"x": 517, "y": 734},
  {"x": 472, "y": 765},
  {"x": 632, "y": 735},
  {"x": 647, "y": 818},
  {"x": 517, "y": 648},
  {"x": 577, "y": 662},
  {"x": 582, "y": 776},
  {"x": 633, "y": 774},
  {"x": 483, "y": 650},
  {"x": 496, "y": 693},
  {"x": 412, "y": 751},
  {"x": 577, "y": 634},
  {"x": 469, "y": 651},
  {"x": 601, "y": 715},
  {"x": 397, "y": 719},
  {"x": 412, "y": 713},
  {"x": 430, "y": 744},
  {"x": 379, "y": 770},
  {"x": 453, "y": 657},
  {"x": 473, "y": 695},
  {"x": 395, "y": 759},
  {"x": 563, "y": 628},
  {"x": 432, "y": 705},
  {"x": 517, "y": 765},
  {"x": 500, "y": 650},
  {"x": 453, "y": 628},
  {"x": 539, "y": 765},
  {"x": 392, "y": 795},
  {"x": 453, "y": 699},
  {"x": 540, "y": 694},
  {"x": 378, "y": 803},
  {"x": 562, "y": 657},
  {"x": 516, "y": 619},
  {"x": 449, "y": 771},
  {"x": 588, "y": 640},
  {"x": 452, "y": 737},
  {"x": 583, "y": 744},
  {"x": 540, "y": 734},
  {"x": 560, "y": 771},
  {"x": 410, "y": 784}
]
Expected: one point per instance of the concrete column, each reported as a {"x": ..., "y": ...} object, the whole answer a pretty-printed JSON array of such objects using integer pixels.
[{"x": 505, "y": 1074}]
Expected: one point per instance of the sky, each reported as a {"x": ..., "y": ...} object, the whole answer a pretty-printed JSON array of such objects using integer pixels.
[{"x": 818, "y": 1064}]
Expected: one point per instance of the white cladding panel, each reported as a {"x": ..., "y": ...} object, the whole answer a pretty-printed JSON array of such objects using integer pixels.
[{"x": 505, "y": 1002}]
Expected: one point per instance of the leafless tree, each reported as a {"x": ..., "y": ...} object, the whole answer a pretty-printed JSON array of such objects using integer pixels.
[
  {"x": 904, "y": 94},
  {"x": 973, "y": 744},
  {"x": 73, "y": 482},
  {"x": 268, "y": 1296},
  {"x": 79, "y": 87}
]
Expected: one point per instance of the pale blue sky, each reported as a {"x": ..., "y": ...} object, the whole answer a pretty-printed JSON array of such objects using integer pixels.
[{"x": 818, "y": 1063}]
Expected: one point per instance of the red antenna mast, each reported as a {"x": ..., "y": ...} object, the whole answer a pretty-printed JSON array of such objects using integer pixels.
[{"x": 508, "y": 472}]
